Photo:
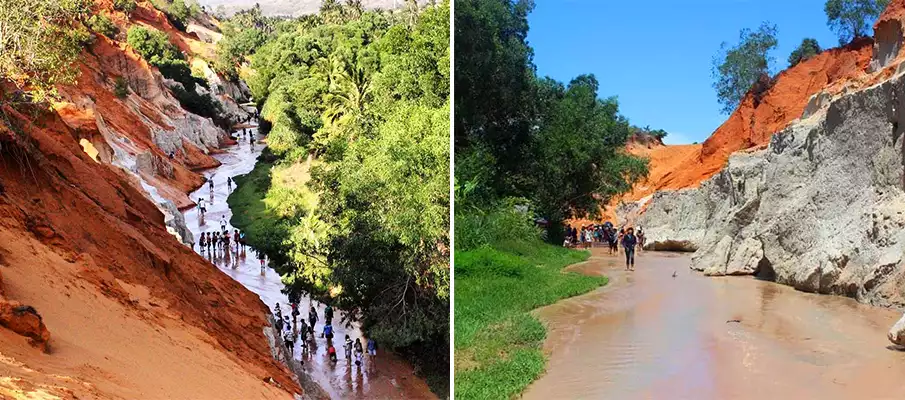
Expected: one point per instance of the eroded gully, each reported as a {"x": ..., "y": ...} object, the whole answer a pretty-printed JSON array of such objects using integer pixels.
[
  {"x": 383, "y": 376},
  {"x": 649, "y": 335}
]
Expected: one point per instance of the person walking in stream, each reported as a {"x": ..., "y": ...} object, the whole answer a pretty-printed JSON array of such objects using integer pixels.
[
  {"x": 372, "y": 347},
  {"x": 328, "y": 314},
  {"x": 202, "y": 206},
  {"x": 628, "y": 243},
  {"x": 347, "y": 346},
  {"x": 288, "y": 337},
  {"x": 229, "y": 183},
  {"x": 261, "y": 258},
  {"x": 312, "y": 319},
  {"x": 358, "y": 351},
  {"x": 210, "y": 183}
]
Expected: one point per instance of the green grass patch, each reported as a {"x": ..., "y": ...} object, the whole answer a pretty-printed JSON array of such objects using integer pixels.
[
  {"x": 497, "y": 342},
  {"x": 263, "y": 228}
]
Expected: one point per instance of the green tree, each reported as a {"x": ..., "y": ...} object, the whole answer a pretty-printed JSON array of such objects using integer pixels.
[
  {"x": 364, "y": 98},
  {"x": 576, "y": 160},
  {"x": 39, "y": 41},
  {"x": 101, "y": 24},
  {"x": 737, "y": 68},
  {"x": 807, "y": 49},
  {"x": 494, "y": 83},
  {"x": 126, "y": 6},
  {"x": 851, "y": 19}
]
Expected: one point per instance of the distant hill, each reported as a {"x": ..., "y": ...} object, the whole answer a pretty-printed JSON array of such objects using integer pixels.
[{"x": 289, "y": 7}]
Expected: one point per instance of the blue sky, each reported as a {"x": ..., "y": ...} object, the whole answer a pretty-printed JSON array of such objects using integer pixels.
[{"x": 656, "y": 55}]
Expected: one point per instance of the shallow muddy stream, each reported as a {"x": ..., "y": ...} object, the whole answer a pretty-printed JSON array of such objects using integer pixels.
[
  {"x": 649, "y": 335},
  {"x": 383, "y": 376}
]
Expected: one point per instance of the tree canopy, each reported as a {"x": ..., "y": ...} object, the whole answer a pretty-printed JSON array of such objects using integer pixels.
[
  {"x": 851, "y": 19},
  {"x": 807, "y": 49},
  {"x": 40, "y": 40},
  {"x": 558, "y": 147},
  {"x": 362, "y": 99},
  {"x": 737, "y": 68}
]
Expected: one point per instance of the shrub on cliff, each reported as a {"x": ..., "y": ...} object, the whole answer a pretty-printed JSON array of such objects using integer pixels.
[
  {"x": 736, "y": 69},
  {"x": 851, "y": 19},
  {"x": 99, "y": 23},
  {"x": 40, "y": 40},
  {"x": 126, "y": 6},
  {"x": 807, "y": 49},
  {"x": 156, "y": 47}
]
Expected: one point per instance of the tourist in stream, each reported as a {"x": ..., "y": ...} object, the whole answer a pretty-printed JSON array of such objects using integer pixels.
[
  {"x": 372, "y": 347},
  {"x": 202, "y": 242},
  {"x": 288, "y": 338},
  {"x": 223, "y": 224},
  {"x": 347, "y": 346},
  {"x": 312, "y": 319},
  {"x": 331, "y": 352},
  {"x": 210, "y": 183},
  {"x": 328, "y": 314},
  {"x": 358, "y": 351},
  {"x": 328, "y": 332},
  {"x": 229, "y": 183},
  {"x": 640, "y": 236},
  {"x": 202, "y": 206},
  {"x": 261, "y": 258},
  {"x": 208, "y": 241},
  {"x": 628, "y": 243},
  {"x": 303, "y": 330}
]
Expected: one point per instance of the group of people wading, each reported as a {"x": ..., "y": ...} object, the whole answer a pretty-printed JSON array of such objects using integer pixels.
[
  {"x": 230, "y": 246},
  {"x": 297, "y": 329},
  {"x": 606, "y": 234}
]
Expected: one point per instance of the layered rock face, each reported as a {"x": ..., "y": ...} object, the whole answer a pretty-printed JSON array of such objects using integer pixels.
[{"x": 821, "y": 207}]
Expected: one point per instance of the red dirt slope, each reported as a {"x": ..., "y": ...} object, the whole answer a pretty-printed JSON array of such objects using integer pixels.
[{"x": 128, "y": 307}]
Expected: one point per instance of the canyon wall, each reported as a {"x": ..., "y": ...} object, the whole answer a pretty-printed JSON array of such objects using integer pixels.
[
  {"x": 821, "y": 207},
  {"x": 100, "y": 297}
]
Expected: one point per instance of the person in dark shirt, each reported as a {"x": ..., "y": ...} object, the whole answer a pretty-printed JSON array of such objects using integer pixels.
[{"x": 628, "y": 243}]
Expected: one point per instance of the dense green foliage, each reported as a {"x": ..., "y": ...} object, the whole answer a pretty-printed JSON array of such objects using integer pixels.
[
  {"x": 243, "y": 33},
  {"x": 178, "y": 12},
  {"x": 497, "y": 342},
  {"x": 157, "y": 49},
  {"x": 851, "y": 19},
  {"x": 657, "y": 133},
  {"x": 121, "y": 87},
  {"x": 126, "y": 6},
  {"x": 358, "y": 103},
  {"x": 558, "y": 146},
  {"x": 39, "y": 41},
  {"x": 527, "y": 148},
  {"x": 807, "y": 49},
  {"x": 736, "y": 69},
  {"x": 99, "y": 23}
]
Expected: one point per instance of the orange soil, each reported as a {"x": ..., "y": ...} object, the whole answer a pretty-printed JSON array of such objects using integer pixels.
[
  {"x": 752, "y": 124},
  {"x": 125, "y": 310},
  {"x": 131, "y": 312}
]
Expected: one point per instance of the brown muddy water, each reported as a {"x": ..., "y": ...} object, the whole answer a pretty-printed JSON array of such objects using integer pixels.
[{"x": 649, "y": 335}]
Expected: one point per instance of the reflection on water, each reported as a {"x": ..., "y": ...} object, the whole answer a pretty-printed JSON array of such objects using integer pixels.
[
  {"x": 649, "y": 335},
  {"x": 383, "y": 376}
]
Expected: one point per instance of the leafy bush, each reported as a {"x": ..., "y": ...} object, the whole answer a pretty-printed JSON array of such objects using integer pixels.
[
  {"x": 736, "y": 69},
  {"x": 126, "y": 6},
  {"x": 153, "y": 45},
  {"x": 476, "y": 228},
  {"x": 99, "y": 23},
  {"x": 203, "y": 105},
  {"x": 121, "y": 87},
  {"x": 850, "y": 19},
  {"x": 807, "y": 49}
]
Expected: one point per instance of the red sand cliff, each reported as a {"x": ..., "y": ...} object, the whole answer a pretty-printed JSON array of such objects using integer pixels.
[
  {"x": 97, "y": 299},
  {"x": 753, "y": 123}
]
